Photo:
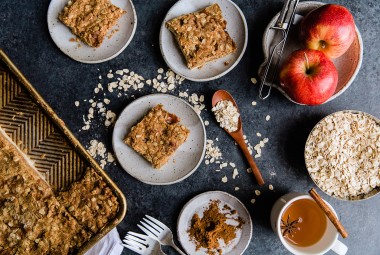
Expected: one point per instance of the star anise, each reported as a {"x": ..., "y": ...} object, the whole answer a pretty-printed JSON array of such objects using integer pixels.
[{"x": 289, "y": 227}]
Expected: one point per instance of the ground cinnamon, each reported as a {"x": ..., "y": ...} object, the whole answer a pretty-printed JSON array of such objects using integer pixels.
[{"x": 213, "y": 226}]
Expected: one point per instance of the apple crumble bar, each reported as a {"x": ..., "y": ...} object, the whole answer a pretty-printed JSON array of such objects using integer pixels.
[
  {"x": 202, "y": 36},
  {"x": 90, "y": 20},
  {"x": 157, "y": 136},
  {"x": 32, "y": 221},
  {"x": 90, "y": 201}
]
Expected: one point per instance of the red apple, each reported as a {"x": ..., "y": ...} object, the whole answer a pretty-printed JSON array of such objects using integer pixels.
[
  {"x": 329, "y": 28},
  {"x": 308, "y": 77}
]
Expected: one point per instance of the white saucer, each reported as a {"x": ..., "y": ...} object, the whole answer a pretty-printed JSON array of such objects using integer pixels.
[
  {"x": 236, "y": 27},
  {"x": 185, "y": 160},
  {"x": 110, "y": 48},
  {"x": 198, "y": 205}
]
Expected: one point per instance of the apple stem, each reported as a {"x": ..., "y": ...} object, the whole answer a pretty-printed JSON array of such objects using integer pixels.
[{"x": 307, "y": 61}]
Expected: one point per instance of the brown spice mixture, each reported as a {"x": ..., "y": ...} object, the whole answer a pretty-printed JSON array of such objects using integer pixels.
[{"x": 207, "y": 231}]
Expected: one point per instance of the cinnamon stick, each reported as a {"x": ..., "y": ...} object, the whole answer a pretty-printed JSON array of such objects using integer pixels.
[{"x": 329, "y": 213}]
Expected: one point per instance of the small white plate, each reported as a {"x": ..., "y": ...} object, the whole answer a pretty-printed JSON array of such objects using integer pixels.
[
  {"x": 198, "y": 205},
  {"x": 236, "y": 27},
  {"x": 110, "y": 48},
  {"x": 185, "y": 160}
]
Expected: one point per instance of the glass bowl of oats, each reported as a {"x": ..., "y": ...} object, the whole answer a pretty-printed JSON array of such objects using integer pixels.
[{"x": 342, "y": 155}]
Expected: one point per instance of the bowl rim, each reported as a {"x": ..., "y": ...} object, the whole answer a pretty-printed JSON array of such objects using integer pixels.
[
  {"x": 265, "y": 48},
  {"x": 309, "y": 137}
]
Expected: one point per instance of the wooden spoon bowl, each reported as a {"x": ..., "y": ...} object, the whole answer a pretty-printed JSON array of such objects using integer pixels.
[{"x": 237, "y": 135}]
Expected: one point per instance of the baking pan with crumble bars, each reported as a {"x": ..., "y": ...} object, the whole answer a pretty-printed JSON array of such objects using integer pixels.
[{"x": 34, "y": 127}]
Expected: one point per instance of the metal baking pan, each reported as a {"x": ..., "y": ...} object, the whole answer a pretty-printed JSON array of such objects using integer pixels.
[{"x": 32, "y": 124}]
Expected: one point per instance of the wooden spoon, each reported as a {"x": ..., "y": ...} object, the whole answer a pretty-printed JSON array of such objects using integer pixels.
[{"x": 221, "y": 95}]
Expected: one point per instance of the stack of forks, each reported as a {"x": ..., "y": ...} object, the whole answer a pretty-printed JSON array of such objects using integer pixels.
[{"x": 157, "y": 234}]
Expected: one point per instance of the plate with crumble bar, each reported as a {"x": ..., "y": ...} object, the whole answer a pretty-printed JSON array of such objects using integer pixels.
[
  {"x": 92, "y": 31},
  {"x": 203, "y": 40},
  {"x": 159, "y": 139}
]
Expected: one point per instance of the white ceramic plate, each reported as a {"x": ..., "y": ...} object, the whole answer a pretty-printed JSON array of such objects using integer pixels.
[
  {"x": 110, "y": 48},
  {"x": 236, "y": 27},
  {"x": 347, "y": 65},
  {"x": 185, "y": 160},
  {"x": 198, "y": 205}
]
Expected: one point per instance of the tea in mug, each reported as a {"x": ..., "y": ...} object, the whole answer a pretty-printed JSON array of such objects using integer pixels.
[{"x": 303, "y": 223}]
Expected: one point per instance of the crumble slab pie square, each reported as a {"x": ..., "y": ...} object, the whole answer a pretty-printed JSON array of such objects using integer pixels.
[
  {"x": 202, "y": 36},
  {"x": 157, "y": 136},
  {"x": 32, "y": 221},
  {"x": 90, "y": 20},
  {"x": 90, "y": 201}
]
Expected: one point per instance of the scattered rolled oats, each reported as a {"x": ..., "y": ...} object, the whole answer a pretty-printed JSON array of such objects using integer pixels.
[
  {"x": 98, "y": 150},
  {"x": 270, "y": 187},
  {"x": 110, "y": 118},
  {"x": 235, "y": 173},
  {"x": 76, "y": 103},
  {"x": 254, "y": 80},
  {"x": 254, "y": 103},
  {"x": 212, "y": 151},
  {"x": 257, "y": 192},
  {"x": 253, "y": 201},
  {"x": 342, "y": 155},
  {"x": 267, "y": 118},
  {"x": 224, "y": 179},
  {"x": 227, "y": 115},
  {"x": 273, "y": 174}
]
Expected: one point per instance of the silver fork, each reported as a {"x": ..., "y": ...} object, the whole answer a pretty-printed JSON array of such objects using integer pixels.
[
  {"x": 142, "y": 244},
  {"x": 159, "y": 231}
]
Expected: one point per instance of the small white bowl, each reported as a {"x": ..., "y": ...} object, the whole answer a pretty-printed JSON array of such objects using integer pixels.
[
  {"x": 347, "y": 65},
  {"x": 374, "y": 191}
]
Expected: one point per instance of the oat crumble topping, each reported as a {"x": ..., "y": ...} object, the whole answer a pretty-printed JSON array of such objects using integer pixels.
[
  {"x": 202, "y": 36},
  {"x": 157, "y": 136},
  {"x": 90, "y": 20}
]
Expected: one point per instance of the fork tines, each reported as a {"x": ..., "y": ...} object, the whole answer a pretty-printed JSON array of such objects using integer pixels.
[
  {"x": 159, "y": 223},
  {"x": 151, "y": 225},
  {"x": 135, "y": 242}
]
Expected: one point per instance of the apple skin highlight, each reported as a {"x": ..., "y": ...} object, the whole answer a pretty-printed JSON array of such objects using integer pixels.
[
  {"x": 308, "y": 77},
  {"x": 329, "y": 28}
]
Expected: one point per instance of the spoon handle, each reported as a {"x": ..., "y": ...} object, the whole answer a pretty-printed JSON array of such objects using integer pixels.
[{"x": 251, "y": 162}]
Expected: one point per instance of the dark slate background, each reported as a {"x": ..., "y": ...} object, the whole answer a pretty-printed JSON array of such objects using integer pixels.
[{"x": 60, "y": 80}]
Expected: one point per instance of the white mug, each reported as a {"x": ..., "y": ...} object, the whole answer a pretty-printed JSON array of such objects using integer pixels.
[{"x": 329, "y": 240}]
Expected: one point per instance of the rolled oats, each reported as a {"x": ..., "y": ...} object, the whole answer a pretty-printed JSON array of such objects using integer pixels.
[
  {"x": 342, "y": 155},
  {"x": 227, "y": 115}
]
